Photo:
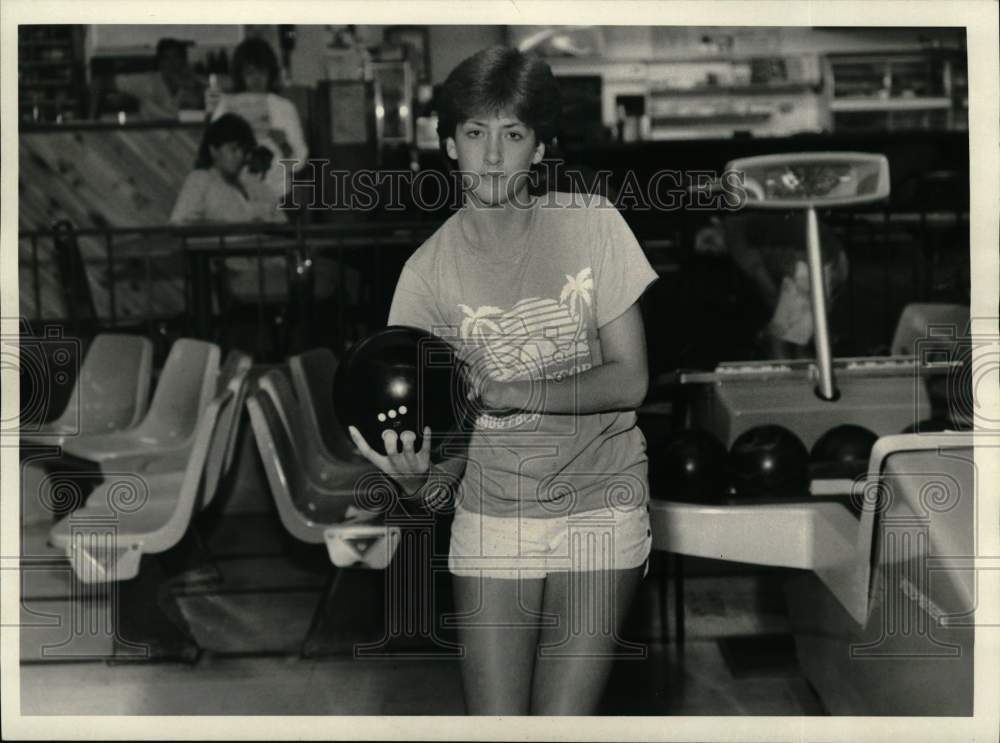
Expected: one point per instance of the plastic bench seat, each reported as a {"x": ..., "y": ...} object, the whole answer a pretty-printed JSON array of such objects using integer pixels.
[
  {"x": 186, "y": 386},
  {"x": 148, "y": 514},
  {"x": 110, "y": 393},
  {"x": 326, "y": 469},
  {"x": 312, "y": 375}
]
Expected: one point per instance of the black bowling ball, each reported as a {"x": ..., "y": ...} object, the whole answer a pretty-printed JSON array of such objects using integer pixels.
[
  {"x": 690, "y": 465},
  {"x": 403, "y": 379},
  {"x": 843, "y": 451},
  {"x": 769, "y": 461}
]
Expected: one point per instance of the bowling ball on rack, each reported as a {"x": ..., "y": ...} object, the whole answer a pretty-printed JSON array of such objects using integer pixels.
[
  {"x": 842, "y": 451},
  {"x": 403, "y": 379},
  {"x": 688, "y": 465},
  {"x": 768, "y": 461}
]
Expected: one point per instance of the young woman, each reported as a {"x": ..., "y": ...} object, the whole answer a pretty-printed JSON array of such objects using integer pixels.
[
  {"x": 274, "y": 119},
  {"x": 220, "y": 188},
  {"x": 551, "y": 533}
]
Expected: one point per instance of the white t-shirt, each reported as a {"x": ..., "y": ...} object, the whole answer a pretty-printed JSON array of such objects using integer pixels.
[
  {"x": 530, "y": 316},
  {"x": 264, "y": 112}
]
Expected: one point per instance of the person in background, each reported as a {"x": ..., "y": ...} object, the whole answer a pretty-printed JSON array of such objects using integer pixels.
[
  {"x": 172, "y": 87},
  {"x": 769, "y": 248},
  {"x": 273, "y": 118},
  {"x": 222, "y": 188}
]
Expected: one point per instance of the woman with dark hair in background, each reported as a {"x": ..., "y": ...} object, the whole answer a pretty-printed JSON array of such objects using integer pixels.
[
  {"x": 273, "y": 118},
  {"x": 540, "y": 295},
  {"x": 220, "y": 188},
  {"x": 223, "y": 189}
]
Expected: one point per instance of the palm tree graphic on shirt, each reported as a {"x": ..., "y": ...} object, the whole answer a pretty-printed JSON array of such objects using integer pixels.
[{"x": 534, "y": 335}]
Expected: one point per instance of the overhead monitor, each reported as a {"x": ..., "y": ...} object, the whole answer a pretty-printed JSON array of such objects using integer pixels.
[{"x": 813, "y": 179}]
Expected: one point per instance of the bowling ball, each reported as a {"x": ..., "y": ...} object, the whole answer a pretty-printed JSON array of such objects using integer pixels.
[
  {"x": 689, "y": 465},
  {"x": 403, "y": 379},
  {"x": 768, "y": 461},
  {"x": 843, "y": 451}
]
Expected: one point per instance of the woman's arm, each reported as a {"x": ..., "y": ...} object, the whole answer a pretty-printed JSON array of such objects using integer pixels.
[
  {"x": 285, "y": 118},
  {"x": 619, "y": 383}
]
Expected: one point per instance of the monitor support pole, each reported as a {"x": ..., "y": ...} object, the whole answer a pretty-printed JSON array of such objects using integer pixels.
[{"x": 826, "y": 389}]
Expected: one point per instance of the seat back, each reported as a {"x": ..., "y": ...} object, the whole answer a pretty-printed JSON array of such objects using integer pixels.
[
  {"x": 222, "y": 447},
  {"x": 186, "y": 385},
  {"x": 208, "y": 435},
  {"x": 275, "y": 384},
  {"x": 281, "y": 465},
  {"x": 312, "y": 377},
  {"x": 328, "y": 486},
  {"x": 234, "y": 375},
  {"x": 112, "y": 390},
  {"x": 916, "y": 319}
]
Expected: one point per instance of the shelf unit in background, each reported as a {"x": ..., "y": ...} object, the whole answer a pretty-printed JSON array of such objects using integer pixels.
[
  {"x": 50, "y": 73},
  {"x": 900, "y": 91}
]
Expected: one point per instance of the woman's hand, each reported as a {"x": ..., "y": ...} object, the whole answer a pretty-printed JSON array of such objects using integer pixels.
[
  {"x": 408, "y": 467},
  {"x": 259, "y": 160}
]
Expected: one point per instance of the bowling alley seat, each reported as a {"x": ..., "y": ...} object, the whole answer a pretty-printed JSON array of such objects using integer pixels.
[
  {"x": 184, "y": 389},
  {"x": 148, "y": 512},
  {"x": 348, "y": 511},
  {"x": 110, "y": 393},
  {"x": 312, "y": 375},
  {"x": 315, "y": 496}
]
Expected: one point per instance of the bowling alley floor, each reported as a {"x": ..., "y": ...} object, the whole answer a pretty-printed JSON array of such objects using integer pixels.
[{"x": 251, "y": 608}]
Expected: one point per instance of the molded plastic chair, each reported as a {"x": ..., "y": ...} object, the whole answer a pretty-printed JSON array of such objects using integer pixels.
[
  {"x": 307, "y": 508},
  {"x": 312, "y": 377},
  {"x": 916, "y": 319},
  {"x": 186, "y": 386},
  {"x": 133, "y": 515},
  {"x": 326, "y": 470},
  {"x": 233, "y": 376},
  {"x": 111, "y": 392}
]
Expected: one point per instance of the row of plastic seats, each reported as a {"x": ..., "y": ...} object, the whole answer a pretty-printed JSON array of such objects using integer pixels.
[
  {"x": 161, "y": 470},
  {"x": 324, "y": 491},
  {"x": 166, "y": 467}
]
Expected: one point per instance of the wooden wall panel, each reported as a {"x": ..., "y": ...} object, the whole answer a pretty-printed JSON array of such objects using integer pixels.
[{"x": 117, "y": 177}]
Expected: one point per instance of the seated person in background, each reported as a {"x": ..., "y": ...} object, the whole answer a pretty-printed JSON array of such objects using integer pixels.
[
  {"x": 172, "y": 87},
  {"x": 769, "y": 247},
  {"x": 274, "y": 119},
  {"x": 221, "y": 188}
]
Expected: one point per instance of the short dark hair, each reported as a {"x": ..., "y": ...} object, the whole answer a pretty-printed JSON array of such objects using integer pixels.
[
  {"x": 501, "y": 78},
  {"x": 258, "y": 53},
  {"x": 227, "y": 128}
]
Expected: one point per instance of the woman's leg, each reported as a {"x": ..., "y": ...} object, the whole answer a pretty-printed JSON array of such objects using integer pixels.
[
  {"x": 498, "y": 623},
  {"x": 575, "y": 655}
]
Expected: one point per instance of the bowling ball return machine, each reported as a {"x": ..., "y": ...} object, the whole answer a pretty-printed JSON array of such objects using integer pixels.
[{"x": 877, "y": 629}]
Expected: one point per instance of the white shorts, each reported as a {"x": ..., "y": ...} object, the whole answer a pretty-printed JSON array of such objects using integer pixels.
[{"x": 521, "y": 547}]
